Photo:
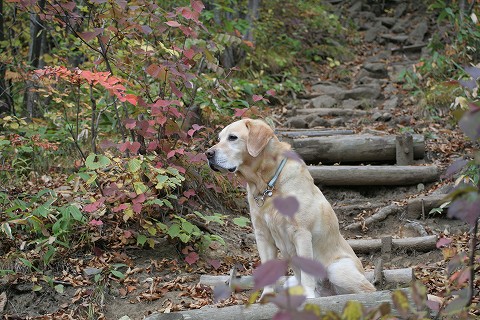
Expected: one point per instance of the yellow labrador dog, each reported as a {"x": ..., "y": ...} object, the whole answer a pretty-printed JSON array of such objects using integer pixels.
[{"x": 250, "y": 148}]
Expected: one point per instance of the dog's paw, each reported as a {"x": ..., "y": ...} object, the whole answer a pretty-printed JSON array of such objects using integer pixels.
[
  {"x": 291, "y": 282},
  {"x": 266, "y": 294},
  {"x": 309, "y": 293}
]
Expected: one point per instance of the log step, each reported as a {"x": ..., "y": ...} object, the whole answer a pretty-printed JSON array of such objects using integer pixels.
[
  {"x": 298, "y": 133},
  {"x": 353, "y": 148},
  {"x": 424, "y": 244},
  {"x": 373, "y": 175},
  {"x": 267, "y": 311},
  {"x": 393, "y": 277}
]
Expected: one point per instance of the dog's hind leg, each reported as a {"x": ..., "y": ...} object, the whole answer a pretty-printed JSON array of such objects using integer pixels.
[{"x": 346, "y": 278}]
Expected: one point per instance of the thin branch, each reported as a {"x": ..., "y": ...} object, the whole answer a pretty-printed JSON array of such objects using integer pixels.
[{"x": 471, "y": 263}]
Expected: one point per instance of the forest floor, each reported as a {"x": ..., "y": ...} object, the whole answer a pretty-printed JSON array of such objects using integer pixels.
[{"x": 159, "y": 280}]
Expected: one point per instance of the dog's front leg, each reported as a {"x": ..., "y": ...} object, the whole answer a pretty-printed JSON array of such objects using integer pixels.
[
  {"x": 303, "y": 246},
  {"x": 267, "y": 251}
]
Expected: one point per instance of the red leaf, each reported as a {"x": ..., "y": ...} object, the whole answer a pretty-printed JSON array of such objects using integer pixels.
[
  {"x": 170, "y": 154},
  {"x": 96, "y": 223},
  {"x": 442, "y": 242},
  {"x": 92, "y": 207},
  {"x": 197, "y": 6},
  {"x": 120, "y": 207},
  {"x": 175, "y": 90},
  {"x": 130, "y": 123},
  {"x": 140, "y": 198},
  {"x": 271, "y": 92},
  {"x": 133, "y": 99},
  {"x": 192, "y": 257},
  {"x": 173, "y": 24},
  {"x": 124, "y": 146},
  {"x": 215, "y": 263},
  {"x": 221, "y": 292},
  {"x": 137, "y": 207},
  {"x": 240, "y": 112},
  {"x": 135, "y": 147},
  {"x": 287, "y": 206},
  {"x": 214, "y": 187},
  {"x": 153, "y": 70},
  {"x": 188, "y": 14},
  {"x": 455, "y": 167},
  {"x": 189, "y": 193},
  {"x": 290, "y": 154},
  {"x": 146, "y": 29},
  {"x": 310, "y": 266},
  {"x": 190, "y": 53},
  {"x": 257, "y": 97},
  {"x": 283, "y": 301},
  {"x": 152, "y": 145},
  {"x": 465, "y": 210},
  {"x": 269, "y": 272},
  {"x": 249, "y": 43},
  {"x": 189, "y": 32},
  {"x": 89, "y": 35}
]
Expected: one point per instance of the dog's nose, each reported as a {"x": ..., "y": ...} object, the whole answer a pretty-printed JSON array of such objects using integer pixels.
[{"x": 210, "y": 154}]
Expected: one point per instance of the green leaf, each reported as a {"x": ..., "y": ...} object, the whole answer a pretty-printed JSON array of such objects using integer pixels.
[
  {"x": 26, "y": 262},
  {"x": 161, "y": 180},
  {"x": 217, "y": 238},
  {"x": 37, "y": 288},
  {"x": 117, "y": 274},
  {"x": 168, "y": 203},
  {"x": 92, "y": 178},
  {"x": 59, "y": 288},
  {"x": 48, "y": 255},
  {"x": 241, "y": 221},
  {"x": 187, "y": 227},
  {"x": 42, "y": 210},
  {"x": 184, "y": 237},
  {"x": 5, "y": 227},
  {"x": 134, "y": 165},
  {"x": 96, "y": 161},
  {"x": 174, "y": 230},
  {"x": 141, "y": 239},
  {"x": 76, "y": 213},
  {"x": 140, "y": 187}
]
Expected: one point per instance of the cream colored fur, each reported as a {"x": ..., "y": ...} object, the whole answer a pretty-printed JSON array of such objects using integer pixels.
[{"x": 250, "y": 148}]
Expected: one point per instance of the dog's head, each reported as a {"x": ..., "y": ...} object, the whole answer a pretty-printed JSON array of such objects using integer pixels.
[{"x": 238, "y": 142}]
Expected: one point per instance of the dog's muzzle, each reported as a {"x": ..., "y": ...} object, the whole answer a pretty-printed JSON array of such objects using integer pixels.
[{"x": 214, "y": 165}]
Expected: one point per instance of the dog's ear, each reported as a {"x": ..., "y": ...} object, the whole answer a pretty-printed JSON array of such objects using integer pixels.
[{"x": 259, "y": 134}]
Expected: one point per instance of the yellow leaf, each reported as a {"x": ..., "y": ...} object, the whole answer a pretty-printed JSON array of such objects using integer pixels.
[
  {"x": 352, "y": 311},
  {"x": 253, "y": 297},
  {"x": 127, "y": 214},
  {"x": 151, "y": 242},
  {"x": 313, "y": 308},
  {"x": 296, "y": 291}
]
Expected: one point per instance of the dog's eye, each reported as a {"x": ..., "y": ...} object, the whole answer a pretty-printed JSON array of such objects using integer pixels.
[{"x": 232, "y": 137}]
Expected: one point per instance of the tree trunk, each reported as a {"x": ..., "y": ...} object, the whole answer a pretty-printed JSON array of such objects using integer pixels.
[
  {"x": 36, "y": 34},
  {"x": 252, "y": 16},
  {"x": 6, "y": 101}
]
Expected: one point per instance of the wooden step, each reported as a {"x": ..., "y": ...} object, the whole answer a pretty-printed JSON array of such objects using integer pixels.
[
  {"x": 353, "y": 148},
  {"x": 373, "y": 175}
]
